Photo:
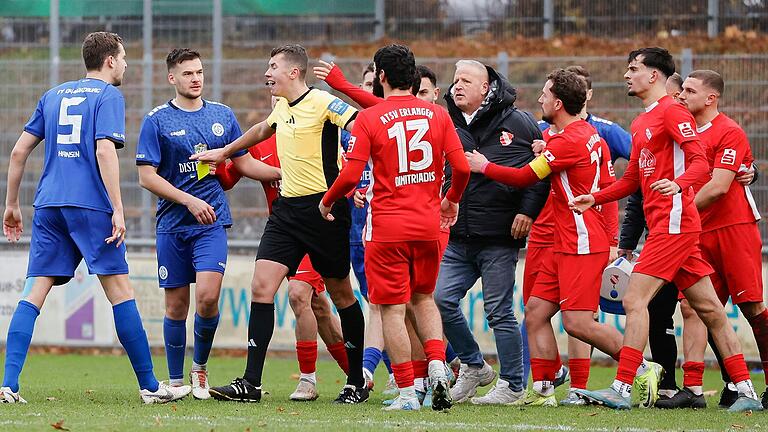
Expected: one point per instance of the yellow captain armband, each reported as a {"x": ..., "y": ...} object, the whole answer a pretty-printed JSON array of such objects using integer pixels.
[{"x": 540, "y": 166}]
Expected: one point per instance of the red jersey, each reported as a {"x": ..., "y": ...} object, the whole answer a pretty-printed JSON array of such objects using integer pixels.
[
  {"x": 265, "y": 151},
  {"x": 665, "y": 145},
  {"x": 727, "y": 147},
  {"x": 543, "y": 230},
  {"x": 574, "y": 158},
  {"x": 404, "y": 140}
]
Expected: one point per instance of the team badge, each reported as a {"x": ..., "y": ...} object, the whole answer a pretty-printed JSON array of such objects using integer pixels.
[
  {"x": 506, "y": 138},
  {"x": 162, "y": 272},
  {"x": 217, "y": 129},
  {"x": 729, "y": 157},
  {"x": 686, "y": 129}
]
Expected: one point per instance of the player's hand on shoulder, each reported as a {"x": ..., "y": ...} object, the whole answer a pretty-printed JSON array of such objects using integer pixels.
[
  {"x": 359, "y": 198},
  {"x": 538, "y": 146},
  {"x": 449, "y": 212},
  {"x": 201, "y": 210},
  {"x": 118, "y": 228},
  {"x": 12, "y": 225},
  {"x": 665, "y": 187},
  {"x": 325, "y": 211},
  {"x": 476, "y": 161},
  {"x": 581, "y": 203},
  {"x": 321, "y": 72}
]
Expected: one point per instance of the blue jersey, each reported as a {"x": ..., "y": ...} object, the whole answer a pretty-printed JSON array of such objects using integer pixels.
[
  {"x": 619, "y": 141},
  {"x": 71, "y": 118},
  {"x": 168, "y": 137},
  {"x": 358, "y": 215}
]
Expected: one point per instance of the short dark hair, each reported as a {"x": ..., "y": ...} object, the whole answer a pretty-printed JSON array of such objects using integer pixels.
[
  {"x": 368, "y": 69},
  {"x": 582, "y": 72},
  {"x": 570, "y": 88},
  {"x": 710, "y": 79},
  {"x": 656, "y": 58},
  {"x": 97, "y": 46},
  {"x": 399, "y": 65},
  {"x": 296, "y": 56},
  {"x": 677, "y": 80},
  {"x": 180, "y": 55},
  {"x": 425, "y": 72}
]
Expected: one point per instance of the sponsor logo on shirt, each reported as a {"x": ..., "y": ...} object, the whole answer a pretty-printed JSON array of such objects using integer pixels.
[
  {"x": 69, "y": 154},
  {"x": 548, "y": 155},
  {"x": 686, "y": 129},
  {"x": 338, "y": 106},
  {"x": 181, "y": 132},
  {"x": 263, "y": 158},
  {"x": 351, "y": 143},
  {"x": 729, "y": 157},
  {"x": 506, "y": 138},
  {"x": 648, "y": 134},
  {"x": 647, "y": 162},
  {"x": 118, "y": 135},
  {"x": 217, "y": 129}
]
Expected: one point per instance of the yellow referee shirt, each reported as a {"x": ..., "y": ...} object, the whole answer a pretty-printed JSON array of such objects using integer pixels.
[{"x": 308, "y": 145}]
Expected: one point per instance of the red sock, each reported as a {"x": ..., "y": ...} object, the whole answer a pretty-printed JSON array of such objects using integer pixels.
[
  {"x": 759, "y": 325},
  {"x": 693, "y": 374},
  {"x": 617, "y": 355},
  {"x": 629, "y": 361},
  {"x": 434, "y": 349},
  {"x": 403, "y": 374},
  {"x": 543, "y": 369},
  {"x": 420, "y": 368},
  {"x": 339, "y": 353},
  {"x": 579, "y": 372},
  {"x": 736, "y": 368},
  {"x": 306, "y": 352}
]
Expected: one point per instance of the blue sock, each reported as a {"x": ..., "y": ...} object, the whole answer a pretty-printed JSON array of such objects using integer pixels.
[
  {"x": 19, "y": 337},
  {"x": 526, "y": 353},
  {"x": 131, "y": 334},
  {"x": 387, "y": 363},
  {"x": 175, "y": 336},
  {"x": 205, "y": 329},
  {"x": 450, "y": 354},
  {"x": 371, "y": 358}
]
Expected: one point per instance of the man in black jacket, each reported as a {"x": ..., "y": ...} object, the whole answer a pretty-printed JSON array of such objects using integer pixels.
[{"x": 493, "y": 222}]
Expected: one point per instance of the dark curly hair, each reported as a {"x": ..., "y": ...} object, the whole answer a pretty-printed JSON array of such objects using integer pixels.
[
  {"x": 180, "y": 55},
  {"x": 398, "y": 64},
  {"x": 570, "y": 88}
]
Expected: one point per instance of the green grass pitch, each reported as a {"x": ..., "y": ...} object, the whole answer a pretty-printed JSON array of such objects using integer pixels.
[{"x": 98, "y": 393}]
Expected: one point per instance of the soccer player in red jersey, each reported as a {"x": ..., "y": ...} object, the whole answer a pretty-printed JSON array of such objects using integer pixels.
[
  {"x": 667, "y": 160},
  {"x": 570, "y": 281},
  {"x": 405, "y": 141},
  {"x": 730, "y": 239}
]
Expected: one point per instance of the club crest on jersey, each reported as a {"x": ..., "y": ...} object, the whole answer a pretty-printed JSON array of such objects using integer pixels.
[
  {"x": 729, "y": 157},
  {"x": 162, "y": 272},
  {"x": 506, "y": 138},
  {"x": 647, "y": 162},
  {"x": 217, "y": 129},
  {"x": 548, "y": 155},
  {"x": 686, "y": 129}
]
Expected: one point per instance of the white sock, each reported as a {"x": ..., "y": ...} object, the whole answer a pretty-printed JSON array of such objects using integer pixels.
[
  {"x": 418, "y": 384},
  {"x": 408, "y": 392},
  {"x": 730, "y": 386},
  {"x": 544, "y": 388},
  {"x": 311, "y": 377},
  {"x": 176, "y": 382},
  {"x": 697, "y": 390},
  {"x": 746, "y": 388},
  {"x": 622, "y": 388},
  {"x": 643, "y": 368},
  {"x": 199, "y": 367},
  {"x": 667, "y": 392},
  {"x": 367, "y": 374}
]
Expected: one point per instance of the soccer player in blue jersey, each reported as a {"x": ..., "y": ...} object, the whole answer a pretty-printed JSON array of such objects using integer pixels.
[
  {"x": 78, "y": 210},
  {"x": 192, "y": 210}
]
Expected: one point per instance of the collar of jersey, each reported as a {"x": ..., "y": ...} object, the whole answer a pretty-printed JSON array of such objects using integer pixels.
[
  {"x": 294, "y": 103},
  {"x": 172, "y": 105},
  {"x": 650, "y": 107}
]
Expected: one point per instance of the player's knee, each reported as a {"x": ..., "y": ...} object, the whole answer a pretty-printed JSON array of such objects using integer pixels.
[
  {"x": 687, "y": 311},
  {"x": 176, "y": 309},
  {"x": 297, "y": 298},
  {"x": 207, "y": 304},
  {"x": 575, "y": 326}
]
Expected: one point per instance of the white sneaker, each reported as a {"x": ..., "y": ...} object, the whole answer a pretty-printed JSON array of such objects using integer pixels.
[
  {"x": 368, "y": 376},
  {"x": 8, "y": 396},
  {"x": 469, "y": 379},
  {"x": 573, "y": 399},
  {"x": 391, "y": 388},
  {"x": 165, "y": 393},
  {"x": 200, "y": 386},
  {"x": 440, "y": 386},
  {"x": 305, "y": 391},
  {"x": 404, "y": 404},
  {"x": 501, "y": 394}
]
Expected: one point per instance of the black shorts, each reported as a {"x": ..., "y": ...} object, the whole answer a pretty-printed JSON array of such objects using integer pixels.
[{"x": 295, "y": 228}]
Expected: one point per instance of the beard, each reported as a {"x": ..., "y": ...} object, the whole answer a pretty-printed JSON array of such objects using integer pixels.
[
  {"x": 378, "y": 89},
  {"x": 631, "y": 93},
  {"x": 546, "y": 118}
]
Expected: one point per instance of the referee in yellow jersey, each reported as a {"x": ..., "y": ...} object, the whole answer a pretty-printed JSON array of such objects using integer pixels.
[{"x": 307, "y": 122}]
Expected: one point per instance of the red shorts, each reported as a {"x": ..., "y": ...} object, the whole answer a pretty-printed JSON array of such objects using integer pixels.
[
  {"x": 735, "y": 253},
  {"x": 570, "y": 280},
  {"x": 535, "y": 259},
  {"x": 674, "y": 258},
  {"x": 396, "y": 269},
  {"x": 443, "y": 239},
  {"x": 307, "y": 273}
]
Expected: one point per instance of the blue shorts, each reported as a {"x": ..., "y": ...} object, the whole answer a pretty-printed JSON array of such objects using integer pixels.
[
  {"x": 356, "y": 256},
  {"x": 63, "y": 236},
  {"x": 181, "y": 255}
]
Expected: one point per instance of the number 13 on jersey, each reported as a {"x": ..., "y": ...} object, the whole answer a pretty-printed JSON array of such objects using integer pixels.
[{"x": 419, "y": 127}]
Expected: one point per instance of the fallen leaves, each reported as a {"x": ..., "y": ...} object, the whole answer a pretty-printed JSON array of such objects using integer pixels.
[{"x": 59, "y": 425}]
